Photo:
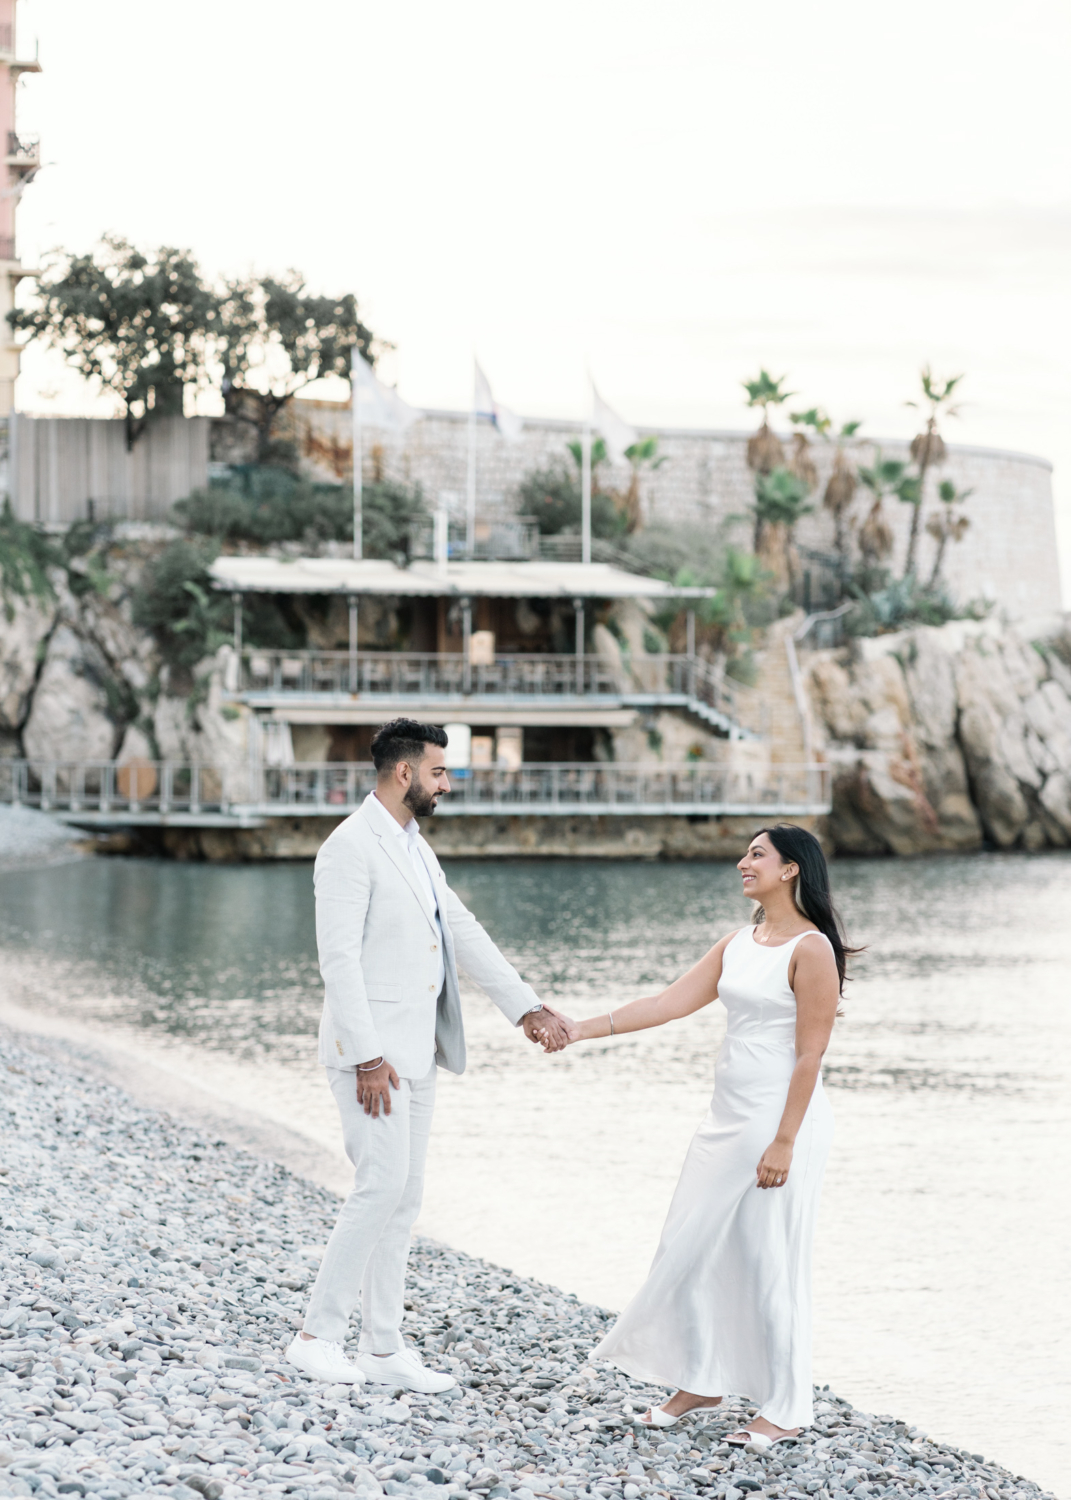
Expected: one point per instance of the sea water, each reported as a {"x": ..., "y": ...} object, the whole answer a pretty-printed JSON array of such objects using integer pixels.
[{"x": 941, "y": 1286}]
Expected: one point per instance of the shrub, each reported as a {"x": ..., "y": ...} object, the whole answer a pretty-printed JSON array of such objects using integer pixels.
[
  {"x": 26, "y": 555},
  {"x": 552, "y": 497},
  {"x": 267, "y": 505},
  {"x": 176, "y": 601}
]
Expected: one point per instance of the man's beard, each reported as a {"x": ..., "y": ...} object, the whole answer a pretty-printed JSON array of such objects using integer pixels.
[{"x": 419, "y": 802}]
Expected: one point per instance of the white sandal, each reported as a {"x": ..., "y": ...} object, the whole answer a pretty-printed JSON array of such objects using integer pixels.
[
  {"x": 744, "y": 1436},
  {"x": 661, "y": 1418}
]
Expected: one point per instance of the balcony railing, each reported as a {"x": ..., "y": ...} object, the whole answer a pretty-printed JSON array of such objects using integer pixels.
[
  {"x": 403, "y": 674},
  {"x": 25, "y": 147},
  {"x": 570, "y": 787},
  {"x": 104, "y": 786},
  {"x": 157, "y": 790}
]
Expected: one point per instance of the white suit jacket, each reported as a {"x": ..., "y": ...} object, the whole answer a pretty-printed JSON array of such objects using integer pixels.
[{"x": 379, "y": 957}]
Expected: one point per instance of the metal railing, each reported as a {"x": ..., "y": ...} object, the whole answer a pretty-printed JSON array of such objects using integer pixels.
[
  {"x": 25, "y": 147},
  {"x": 571, "y": 787},
  {"x": 825, "y": 629},
  {"x": 153, "y": 790},
  {"x": 104, "y": 786},
  {"x": 426, "y": 674},
  {"x": 400, "y": 674}
]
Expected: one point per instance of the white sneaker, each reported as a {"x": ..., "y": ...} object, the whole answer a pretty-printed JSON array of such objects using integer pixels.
[
  {"x": 323, "y": 1359},
  {"x": 405, "y": 1369}
]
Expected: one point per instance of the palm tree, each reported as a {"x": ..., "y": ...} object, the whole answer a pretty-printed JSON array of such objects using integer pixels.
[
  {"x": 928, "y": 448},
  {"x": 764, "y": 451},
  {"x": 886, "y": 476},
  {"x": 840, "y": 487},
  {"x": 639, "y": 454},
  {"x": 780, "y": 498},
  {"x": 947, "y": 526}
]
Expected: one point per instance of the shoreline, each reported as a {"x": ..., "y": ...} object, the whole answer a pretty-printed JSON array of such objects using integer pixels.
[{"x": 152, "y": 1276}]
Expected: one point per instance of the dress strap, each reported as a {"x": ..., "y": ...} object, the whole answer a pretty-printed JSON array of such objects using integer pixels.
[{"x": 811, "y": 932}]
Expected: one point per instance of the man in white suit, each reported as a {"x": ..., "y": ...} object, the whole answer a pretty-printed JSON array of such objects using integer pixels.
[{"x": 391, "y": 934}]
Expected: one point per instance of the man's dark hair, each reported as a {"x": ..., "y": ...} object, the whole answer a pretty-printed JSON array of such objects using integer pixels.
[{"x": 404, "y": 739}]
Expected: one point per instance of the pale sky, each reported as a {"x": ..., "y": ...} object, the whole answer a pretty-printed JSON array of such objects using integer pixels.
[{"x": 668, "y": 194}]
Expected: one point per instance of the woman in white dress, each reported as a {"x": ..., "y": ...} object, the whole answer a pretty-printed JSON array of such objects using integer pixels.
[{"x": 726, "y": 1308}]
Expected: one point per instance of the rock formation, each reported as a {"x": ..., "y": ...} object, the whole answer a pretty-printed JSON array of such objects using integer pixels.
[{"x": 946, "y": 738}]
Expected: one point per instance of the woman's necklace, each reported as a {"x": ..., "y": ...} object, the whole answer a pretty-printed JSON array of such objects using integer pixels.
[{"x": 772, "y": 932}]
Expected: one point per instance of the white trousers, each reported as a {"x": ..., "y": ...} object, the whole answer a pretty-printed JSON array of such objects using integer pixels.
[{"x": 366, "y": 1256}]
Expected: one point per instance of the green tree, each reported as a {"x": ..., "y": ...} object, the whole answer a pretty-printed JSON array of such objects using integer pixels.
[
  {"x": 137, "y": 324},
  {"x": 764, "y": 451},
  {"x": 275, "y": 338},
  {"x": 552, "y": 497},
  {"x": 885, "y": 477},
  {"x": 641, "y": 455},
  {"x": 176, "y": 601},
  {"x": 780, "y": 501},
  {"x": 927, "y": 449}
]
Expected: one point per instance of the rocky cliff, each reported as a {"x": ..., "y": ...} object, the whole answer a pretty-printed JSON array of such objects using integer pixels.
[
  {"x": 80, "y": 681},
  {"x": 946, "y": 739}
]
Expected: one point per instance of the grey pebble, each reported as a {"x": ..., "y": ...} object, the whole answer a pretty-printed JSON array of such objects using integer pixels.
[{"x": 150, "y": 1278}]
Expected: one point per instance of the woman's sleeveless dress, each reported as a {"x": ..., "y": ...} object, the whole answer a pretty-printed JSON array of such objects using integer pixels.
[{"x": 726, "y": 1307}]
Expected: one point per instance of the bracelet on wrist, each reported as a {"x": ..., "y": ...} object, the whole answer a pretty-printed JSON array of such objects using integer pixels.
[{"x": 370, "y": 1067}]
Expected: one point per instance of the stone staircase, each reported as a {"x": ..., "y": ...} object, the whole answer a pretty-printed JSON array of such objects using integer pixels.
[{"x": 774, "y": 684}]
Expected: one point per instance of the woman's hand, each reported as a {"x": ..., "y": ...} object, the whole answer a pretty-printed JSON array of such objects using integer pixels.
[{"x": 772, "y": 1170}]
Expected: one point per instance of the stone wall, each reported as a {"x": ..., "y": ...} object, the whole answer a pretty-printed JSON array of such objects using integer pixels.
[
  {"x": 946, "y": 739},
  {"x": 475, "y": 838},
  {"x": 1008, "y": 554}
]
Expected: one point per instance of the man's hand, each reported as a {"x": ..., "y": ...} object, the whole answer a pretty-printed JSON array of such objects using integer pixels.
[
  {"x": 548, "y": 1027},
  {"x": 374, "y": 1086}
]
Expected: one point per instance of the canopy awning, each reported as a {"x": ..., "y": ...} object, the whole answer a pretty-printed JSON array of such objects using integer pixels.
[{"x": 497, "y": 580}]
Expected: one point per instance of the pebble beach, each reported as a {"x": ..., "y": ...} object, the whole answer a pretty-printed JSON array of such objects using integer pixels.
[{"x": 151, "y": 1278}]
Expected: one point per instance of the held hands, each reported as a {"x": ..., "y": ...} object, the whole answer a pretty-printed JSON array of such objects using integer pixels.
[
  {"x": 548, "y": 1027},
  {"x": 772, "y": 1170}
]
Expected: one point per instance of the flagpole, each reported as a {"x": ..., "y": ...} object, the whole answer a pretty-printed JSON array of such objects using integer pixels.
[
  {"x": 358, "y": 457},
  {"x": 470, "y": 496},
  {"x": 585, "y": 491}
]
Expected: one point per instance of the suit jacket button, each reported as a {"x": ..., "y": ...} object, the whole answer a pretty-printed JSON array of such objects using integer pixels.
[
  {"x": 435, "y": 947},
  {"x": 431, "y": 987}
]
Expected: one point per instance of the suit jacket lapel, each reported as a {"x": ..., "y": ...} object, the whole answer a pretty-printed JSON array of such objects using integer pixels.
[
  {"x": 392, "y": 847},
  {"x": 438, "y": 882}
]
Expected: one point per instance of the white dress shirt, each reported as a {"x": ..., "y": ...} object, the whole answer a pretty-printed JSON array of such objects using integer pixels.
[{"x": 409, "y": 834}]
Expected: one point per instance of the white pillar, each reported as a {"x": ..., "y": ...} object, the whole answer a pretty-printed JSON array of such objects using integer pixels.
[
  {"x": 585, "y": 494},
  {"x": 466, "y": 645},
  {"x": 353, "y": 642},
  {"x": 578, "y": 606}
]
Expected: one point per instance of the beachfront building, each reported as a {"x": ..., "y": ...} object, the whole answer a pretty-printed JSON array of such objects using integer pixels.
[{"x": 558, "y": 703}]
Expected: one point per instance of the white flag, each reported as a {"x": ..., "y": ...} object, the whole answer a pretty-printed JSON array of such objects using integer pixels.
[
  {"x": 509, "y": 424},
  {"x": 616, "y": 433},
  {"x": 380, "y": 406}
]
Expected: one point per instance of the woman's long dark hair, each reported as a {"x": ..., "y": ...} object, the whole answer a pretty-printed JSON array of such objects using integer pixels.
[{"x": 811, "y": 889}]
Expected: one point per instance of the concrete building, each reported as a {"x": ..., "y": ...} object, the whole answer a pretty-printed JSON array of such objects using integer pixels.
[{"x": 22, "y": 160}]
